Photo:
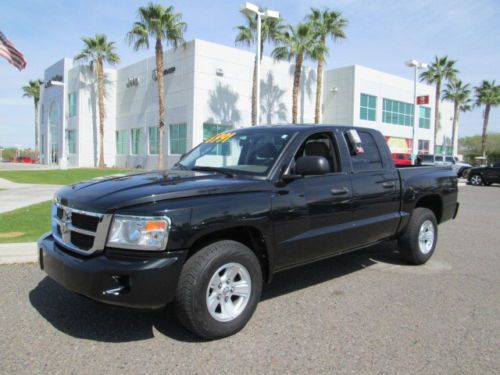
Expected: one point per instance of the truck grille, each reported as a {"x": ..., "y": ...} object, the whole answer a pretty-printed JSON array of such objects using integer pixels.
[{"x": 79, "y": 231}]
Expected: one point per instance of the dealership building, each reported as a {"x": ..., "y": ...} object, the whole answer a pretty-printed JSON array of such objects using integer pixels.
[{"x": 208, "y": 90}]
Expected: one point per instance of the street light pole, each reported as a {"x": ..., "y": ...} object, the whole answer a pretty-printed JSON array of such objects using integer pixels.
[
  {"x": 250, "y": 9},
  {"x": 414, "y": 144}
]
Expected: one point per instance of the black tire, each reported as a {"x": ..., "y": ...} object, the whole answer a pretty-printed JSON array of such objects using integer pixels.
[
  {"x": 409, "y": 245},
  {"x": 476, "y": 179},
  {"x": 191, "y": 298}
]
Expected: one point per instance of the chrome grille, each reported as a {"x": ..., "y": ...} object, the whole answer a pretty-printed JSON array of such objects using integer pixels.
[{"x": 79, "y": 231}]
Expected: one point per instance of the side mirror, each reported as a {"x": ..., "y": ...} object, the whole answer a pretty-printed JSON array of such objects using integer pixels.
[{"x": 311, "y": 165}]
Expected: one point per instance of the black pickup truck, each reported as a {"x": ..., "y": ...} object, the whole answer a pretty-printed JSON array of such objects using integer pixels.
[{"x": 235, "y": 210}]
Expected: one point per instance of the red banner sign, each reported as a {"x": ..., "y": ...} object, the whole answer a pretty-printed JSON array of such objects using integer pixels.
[{"x": 424, "y": 99}]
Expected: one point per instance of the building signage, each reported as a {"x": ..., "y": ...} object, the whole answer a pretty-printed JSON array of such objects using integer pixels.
[
  {"x": 423, "y": 99},
  {"x": 165, "y": 72},
  {"x": 133, "y": 82},
  {"x": 57, "y": 78}
]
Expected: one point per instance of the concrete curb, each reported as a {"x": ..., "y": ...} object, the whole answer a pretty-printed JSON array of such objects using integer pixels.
[{"x": 11, "y": 253}]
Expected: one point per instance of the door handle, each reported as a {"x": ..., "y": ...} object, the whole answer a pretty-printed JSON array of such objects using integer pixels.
[
  {"x": 387, "y": 185},
  {"x": 339, "y": 191}
]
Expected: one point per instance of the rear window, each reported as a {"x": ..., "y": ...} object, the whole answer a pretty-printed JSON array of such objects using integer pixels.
[{"x": 370, "y": 158}]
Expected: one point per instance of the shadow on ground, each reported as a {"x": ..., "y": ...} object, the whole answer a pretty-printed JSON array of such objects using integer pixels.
[{"x": 83, "y": 318}]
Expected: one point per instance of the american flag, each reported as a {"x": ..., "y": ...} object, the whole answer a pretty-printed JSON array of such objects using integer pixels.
[{"x": 11, "y": 53}]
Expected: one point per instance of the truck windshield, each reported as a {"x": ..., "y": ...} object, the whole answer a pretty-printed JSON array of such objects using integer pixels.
[{"x": 251, "y": 152}]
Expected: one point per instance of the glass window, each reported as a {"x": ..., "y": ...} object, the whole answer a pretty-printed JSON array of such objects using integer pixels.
[
  {"x": 398, "y": 113},
  {"x": 438, "y": 158},
  {"x": 423, "y": 146},
  {"x": 72, "y": 104},
  {"x": 370, "y": 158},
  {"x": 320, "y": 144},
  {"x": 424, "y": 117},
  {"x": 72, "y": 141},
  {"x": 210, "y": 130},
  {"x": 122, "y": 142},
  {"x": 154, "y": 140},
  {"x": 250, "y": 151},
  {"x": 178, "y": 139},
  {"x": 368, "y": 107},
  {"x": 137, "y": 141}
]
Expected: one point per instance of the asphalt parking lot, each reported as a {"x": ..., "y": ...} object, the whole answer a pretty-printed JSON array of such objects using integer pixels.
[{"x": 360, "y": 313}]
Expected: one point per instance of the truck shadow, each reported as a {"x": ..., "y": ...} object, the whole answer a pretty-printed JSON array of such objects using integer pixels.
[{"x": 82, "y": 318}]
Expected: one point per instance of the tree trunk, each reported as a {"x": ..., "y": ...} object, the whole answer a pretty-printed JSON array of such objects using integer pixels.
[
  {"x": 437, "y": 122},
  {"x": 319, "y": 85},
  {"x": 37, "y": 127},
  {"x": 254, "y": 93},
  {"x": 296, "y": 86},
  {"x": 102, "y": 114},
  {"x": 319, "y": 89},
  {"x": 456, "y": 111},
  {"x": 484, "y": 138},
  {"x": 161, "y": 102}
]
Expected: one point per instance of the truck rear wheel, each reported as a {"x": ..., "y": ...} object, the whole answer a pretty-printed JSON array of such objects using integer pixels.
[
  {"x": 219, "y": 289},
  {"x": 418, "y": 243}
]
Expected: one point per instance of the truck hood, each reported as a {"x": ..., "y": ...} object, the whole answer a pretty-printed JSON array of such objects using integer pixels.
[{"x": 107, "y": 194}]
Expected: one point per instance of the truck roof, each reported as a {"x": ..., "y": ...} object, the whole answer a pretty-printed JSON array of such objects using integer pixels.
[{"x": 308, "y": 127}]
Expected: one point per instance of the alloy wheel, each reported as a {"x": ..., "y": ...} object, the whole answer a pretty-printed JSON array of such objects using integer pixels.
[{"x": 228, "y": 292}]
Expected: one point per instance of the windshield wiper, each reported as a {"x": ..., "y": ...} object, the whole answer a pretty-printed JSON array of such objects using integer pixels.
[
  {"x": 181, "y": 166},
  {"x": 212, "y": 169}
]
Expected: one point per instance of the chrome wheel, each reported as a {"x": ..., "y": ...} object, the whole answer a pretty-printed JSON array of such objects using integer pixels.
[
  {"x": 228, "y": 292},
  {"x": 476, "y": 180},
  {"x": 426, "y": 237}
]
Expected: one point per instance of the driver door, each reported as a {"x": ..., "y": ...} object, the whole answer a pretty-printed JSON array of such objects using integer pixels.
[{"x": 313, "y": 215}]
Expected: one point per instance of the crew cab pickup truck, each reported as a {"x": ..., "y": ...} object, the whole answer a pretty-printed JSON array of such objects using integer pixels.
[{"x": 241, "y": 206}]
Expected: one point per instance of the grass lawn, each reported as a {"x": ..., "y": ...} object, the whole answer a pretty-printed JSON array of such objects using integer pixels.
[
  {"x": 58, "y": 176},
  {"x": 25, "y": 224}
]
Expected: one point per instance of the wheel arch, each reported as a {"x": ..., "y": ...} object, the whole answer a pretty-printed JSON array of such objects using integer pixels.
[
  {"x": 247, "y": 235},
  {"x": 432, "y": 202}
]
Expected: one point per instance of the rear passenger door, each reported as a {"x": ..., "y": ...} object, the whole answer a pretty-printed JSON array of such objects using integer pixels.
[{"x": 376, "y": 191}]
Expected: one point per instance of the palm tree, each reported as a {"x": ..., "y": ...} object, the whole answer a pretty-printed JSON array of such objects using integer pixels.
[
  {"x": 298, "y": 43},
  {"x": 96, "y": 52},
  {"x": 271, "y": 28},
  {"x": 440, "y": 70},
  {"x": 32, "y": 90},
  {"x": 161, "y": 24},
  {"x": 488, "y": 94},
  {"x": 457, "y": 92},
  {"x": 326, "y": 23}
]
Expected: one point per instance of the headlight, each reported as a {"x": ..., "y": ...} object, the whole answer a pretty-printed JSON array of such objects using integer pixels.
[{"x": 139, "y": 232}]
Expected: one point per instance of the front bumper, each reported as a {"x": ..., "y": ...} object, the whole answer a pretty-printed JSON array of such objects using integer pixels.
[{"x": 136, "y": 281}]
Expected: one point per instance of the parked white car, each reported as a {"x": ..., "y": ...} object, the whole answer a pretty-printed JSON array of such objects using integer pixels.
[{"x": 458, "y": 166}]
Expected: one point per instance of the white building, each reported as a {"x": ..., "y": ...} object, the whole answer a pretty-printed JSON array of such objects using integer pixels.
[
  {"x": 208, "y": 90},
  {"x": 357, "y": 95}
]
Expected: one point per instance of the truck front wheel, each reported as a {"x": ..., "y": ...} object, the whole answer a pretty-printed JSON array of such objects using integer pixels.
[
  {"x": 417, "y": 244},
  {"x": 219, "y": 289}
]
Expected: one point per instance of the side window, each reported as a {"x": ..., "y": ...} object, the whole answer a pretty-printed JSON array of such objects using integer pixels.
[
  {"x": 370, "y": 158},
  {"x": 320, "y": 144},
  {"x": 438, "y": 158}
]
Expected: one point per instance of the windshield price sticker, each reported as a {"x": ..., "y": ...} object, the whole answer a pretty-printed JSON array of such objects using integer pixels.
[{"x": 220, "y": 138}]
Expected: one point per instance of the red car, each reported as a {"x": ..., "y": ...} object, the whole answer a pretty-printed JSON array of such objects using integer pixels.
[{"x": 401, "y": 159}]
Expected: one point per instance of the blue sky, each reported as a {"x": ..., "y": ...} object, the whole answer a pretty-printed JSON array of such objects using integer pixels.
[{"x": 382, "y": 34}]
